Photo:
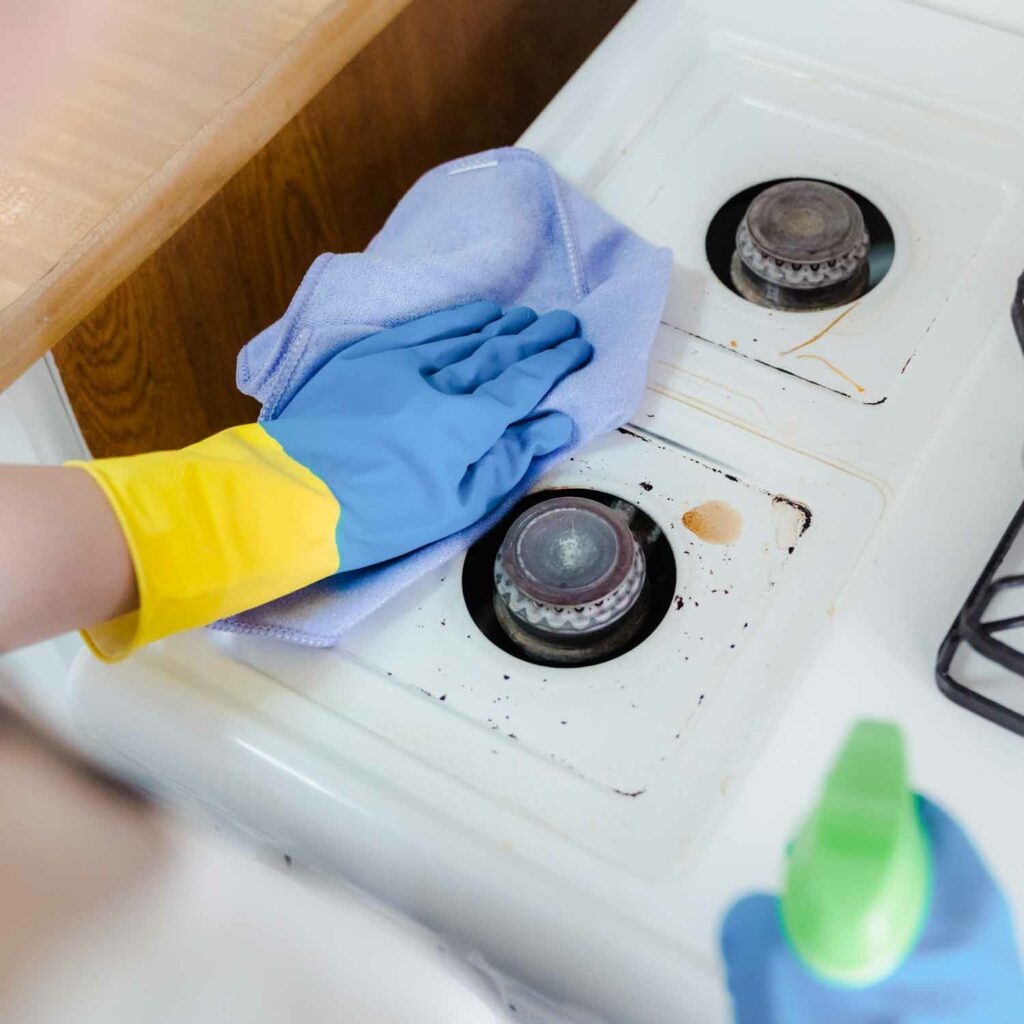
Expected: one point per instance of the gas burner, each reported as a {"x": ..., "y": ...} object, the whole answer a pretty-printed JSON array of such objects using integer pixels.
[
  {"x": 570, "y": 578},
  {"x": 801, "y": 245},
  {"x": 568, "y": 575}
]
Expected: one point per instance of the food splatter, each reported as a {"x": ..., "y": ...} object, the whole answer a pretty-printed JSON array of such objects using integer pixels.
[{"x": 715, "y": 522}]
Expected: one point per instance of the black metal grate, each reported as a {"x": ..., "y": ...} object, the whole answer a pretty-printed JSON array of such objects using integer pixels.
[{"x": 971, "y": 627}]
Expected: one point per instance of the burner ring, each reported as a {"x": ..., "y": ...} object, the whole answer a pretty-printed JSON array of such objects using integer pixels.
[
  {"x": 569, "y": 566},
  {"x": 791, "y": 274},
  {"x": 801, "y": 245},
  {"x": 571, "y": 620}
]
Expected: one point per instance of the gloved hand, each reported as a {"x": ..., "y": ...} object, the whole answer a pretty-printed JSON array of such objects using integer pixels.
[
  {"x": 399, "y": 440},
  {"x": 421, "y": 430},
  {"x": 964, "y": 968}
]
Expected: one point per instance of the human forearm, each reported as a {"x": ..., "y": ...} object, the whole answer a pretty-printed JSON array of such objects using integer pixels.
[{"x": 64, "y": 563}]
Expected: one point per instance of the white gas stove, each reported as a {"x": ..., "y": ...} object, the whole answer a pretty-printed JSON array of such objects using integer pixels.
[{"x": 586, "y": 827}]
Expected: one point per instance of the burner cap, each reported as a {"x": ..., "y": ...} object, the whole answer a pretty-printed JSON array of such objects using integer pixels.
[
  {"x": 804, "y": 237},
  {"x": 569, "y": 566}
]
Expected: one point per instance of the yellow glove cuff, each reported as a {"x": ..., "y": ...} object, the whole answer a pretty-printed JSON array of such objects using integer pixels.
[{"x": 213, "y": 529}]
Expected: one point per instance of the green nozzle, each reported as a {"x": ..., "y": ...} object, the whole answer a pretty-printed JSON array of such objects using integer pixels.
[{"x": 858, "y": 879}]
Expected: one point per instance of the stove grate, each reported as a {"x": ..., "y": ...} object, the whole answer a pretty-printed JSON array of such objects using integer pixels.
[{"x": 984, "y": 636}]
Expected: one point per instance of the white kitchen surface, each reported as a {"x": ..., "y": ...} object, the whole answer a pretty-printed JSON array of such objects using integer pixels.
[
  {"x": 36, "y": 427},
  {"x": 587, "y": 828}
]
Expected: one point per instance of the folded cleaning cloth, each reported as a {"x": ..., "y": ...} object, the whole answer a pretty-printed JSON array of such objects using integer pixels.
[{"x": 500, "y": 225}]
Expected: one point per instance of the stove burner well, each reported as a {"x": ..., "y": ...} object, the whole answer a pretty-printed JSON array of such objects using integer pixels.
[{"x": 570, "y": 578}]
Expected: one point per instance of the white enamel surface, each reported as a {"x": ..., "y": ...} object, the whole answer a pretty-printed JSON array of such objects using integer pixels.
[
  {"x": 350, "y": 761},
  {"x": 36, "y": 427}
]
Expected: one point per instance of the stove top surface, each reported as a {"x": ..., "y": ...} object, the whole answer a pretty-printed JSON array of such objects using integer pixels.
[{"x": 560, "y": 817}]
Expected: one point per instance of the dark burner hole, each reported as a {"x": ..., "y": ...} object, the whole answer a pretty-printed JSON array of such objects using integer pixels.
[
  {"x": 660, "y": 585},
  {"x": 720, "y": 241}
]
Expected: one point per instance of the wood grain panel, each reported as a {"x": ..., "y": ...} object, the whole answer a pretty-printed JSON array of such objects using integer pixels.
[
  {"x": 153, "y": 365},
  {"x": 156, "y": 114}
]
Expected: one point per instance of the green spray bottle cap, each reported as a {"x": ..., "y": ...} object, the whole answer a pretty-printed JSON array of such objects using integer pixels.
[{"x": 858, "y": 878}]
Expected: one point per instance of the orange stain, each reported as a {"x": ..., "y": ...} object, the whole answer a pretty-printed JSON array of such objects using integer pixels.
[
  {"x": 714, "y": 522},
  {"x": 834, "y": 369},
  {"x": 821, "y": 334}
]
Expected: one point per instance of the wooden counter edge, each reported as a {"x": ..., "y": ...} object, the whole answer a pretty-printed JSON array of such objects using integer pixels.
[{"x": 108, "y": 254}]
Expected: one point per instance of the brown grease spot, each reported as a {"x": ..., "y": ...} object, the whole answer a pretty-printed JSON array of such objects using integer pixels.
[{"x": 714, "y": 522}]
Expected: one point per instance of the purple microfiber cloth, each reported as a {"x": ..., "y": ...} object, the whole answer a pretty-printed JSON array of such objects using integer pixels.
[{"x": 500, "y": 225}]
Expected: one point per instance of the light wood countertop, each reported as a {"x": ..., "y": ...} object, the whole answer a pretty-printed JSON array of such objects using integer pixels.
[{"x": 171, "y": 99}]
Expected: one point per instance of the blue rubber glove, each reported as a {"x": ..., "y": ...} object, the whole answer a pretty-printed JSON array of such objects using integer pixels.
[
  {"x": 421, "y": 430},
  {"x": 964, "y": 969}
]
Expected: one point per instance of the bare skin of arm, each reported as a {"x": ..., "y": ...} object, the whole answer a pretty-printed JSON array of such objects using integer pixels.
[{"x": 64, "y": 563}]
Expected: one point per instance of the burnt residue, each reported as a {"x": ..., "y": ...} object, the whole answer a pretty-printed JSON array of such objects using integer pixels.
[
  {"x": 633, "y": 433},
  {"x": 634, "y": 794},
  {"x": 800, "y": 507},
  {"x": 806, "y": 380},
  {"x": 692, "y": 334}
]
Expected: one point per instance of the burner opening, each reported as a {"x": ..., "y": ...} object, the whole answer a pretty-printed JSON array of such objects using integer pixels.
[
  {"x": 570, "y": 577},
  {"x": 799, "y": 244}
]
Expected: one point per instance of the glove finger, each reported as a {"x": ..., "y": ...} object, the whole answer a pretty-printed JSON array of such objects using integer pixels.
[
  {"x": 514, "y": 394},
  {"x": 497, "y": 354},
  {"x": 505, "y": 463},
  {"x": 437, "y": 355},
  {"x": 448, "y": 323}
]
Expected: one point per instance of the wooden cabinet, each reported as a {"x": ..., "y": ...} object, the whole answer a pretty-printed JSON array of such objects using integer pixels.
[{"x": 152, "y": 365}]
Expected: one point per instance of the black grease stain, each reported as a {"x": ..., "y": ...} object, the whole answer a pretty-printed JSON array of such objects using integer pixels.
[
  {"x": 800, "y": 507},
  {"x": 806, "y": 380},
  {"x": 679, "y": 603},
  {"x": 646, "y": 485},
  {"x": 632, "y": 433}
]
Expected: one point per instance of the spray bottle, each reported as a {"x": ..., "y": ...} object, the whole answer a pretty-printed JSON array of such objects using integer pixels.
[{"x": 887, "y": 912}]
